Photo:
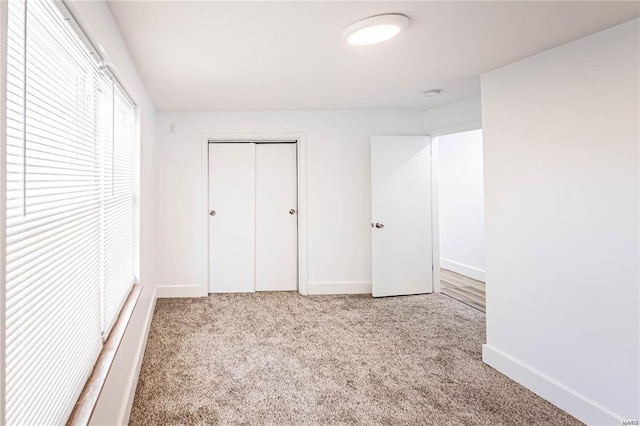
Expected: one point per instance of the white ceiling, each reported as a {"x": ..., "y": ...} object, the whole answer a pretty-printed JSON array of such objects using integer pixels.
[{"x": 289, "y": 55}]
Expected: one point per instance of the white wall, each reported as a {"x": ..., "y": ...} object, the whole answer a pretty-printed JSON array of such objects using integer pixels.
[
  {"x": 338, "y": 190},
  {"x": 461, "y": 203},
  {"x": 455, "y": 117},
  {"x": 113, "y": 404},
  {"x": 561, "y": 149}
]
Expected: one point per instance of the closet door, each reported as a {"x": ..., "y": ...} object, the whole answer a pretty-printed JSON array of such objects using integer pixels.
[
  {"x": 276, "y": 217},
  {"x": 231, "y": 217}
]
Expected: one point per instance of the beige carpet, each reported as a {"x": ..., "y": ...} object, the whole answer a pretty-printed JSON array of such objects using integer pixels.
[{"x": 285, "y": 359}]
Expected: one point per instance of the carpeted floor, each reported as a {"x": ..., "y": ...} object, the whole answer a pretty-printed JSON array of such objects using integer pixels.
[{"x": 285, "y": 359}]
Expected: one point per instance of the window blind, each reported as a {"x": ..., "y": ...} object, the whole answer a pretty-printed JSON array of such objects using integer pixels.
[
  {"x": 69, "y": 212},
  {"x": 118, "y": 194}
]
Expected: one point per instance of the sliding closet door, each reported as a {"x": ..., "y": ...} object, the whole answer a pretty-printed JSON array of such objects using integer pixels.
[
  {"x": 231, "y": 217},
  {"x": 276, "y": 217}
]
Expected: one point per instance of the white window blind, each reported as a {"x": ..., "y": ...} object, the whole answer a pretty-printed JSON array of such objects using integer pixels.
[
  {"x": 118, "y": 194},
  {"x": 70, "y": 208}
]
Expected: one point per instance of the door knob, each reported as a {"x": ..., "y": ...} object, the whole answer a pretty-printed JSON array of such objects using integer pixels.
[
  {"x": 379, "y": 225},
  {"x": 212, "y": 212},
  {"x": 292, "y": 211}
]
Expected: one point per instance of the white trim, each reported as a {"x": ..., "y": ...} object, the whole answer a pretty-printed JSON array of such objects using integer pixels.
[
  {"x": 435, "y": 215},
  {"x": 347, "y": 287},
  {"x": 3, "y": 156},
  {"x": 132, "y": 383},
  {"x": 301, "y": 139},
  {"x": 204, "y": 207},
  {"x": 548, "y": 388},
  {"x": 177, "y": 291},
  {"x": 137, "y": 218},
  {"x": 466, "y": 270}
]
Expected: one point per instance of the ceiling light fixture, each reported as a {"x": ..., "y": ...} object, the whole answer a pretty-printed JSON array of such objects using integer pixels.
[
  {"x": 375, "y": 29},
  {"x": 432, "y": 93}
]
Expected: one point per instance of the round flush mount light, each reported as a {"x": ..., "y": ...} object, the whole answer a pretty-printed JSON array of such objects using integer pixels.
[
  {"x": 432, "y": 93},
  {"x": 375, "y": 29}
]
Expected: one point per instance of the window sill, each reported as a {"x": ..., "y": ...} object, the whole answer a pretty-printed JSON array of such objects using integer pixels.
[{"x": 89, "y": 397}]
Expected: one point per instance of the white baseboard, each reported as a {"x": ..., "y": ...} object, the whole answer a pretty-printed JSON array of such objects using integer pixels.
[
  {"x": 467, "y": 271},
  {"x": 558, "y": 394},
  {"x": 164, "y": 292},
  {"x": 132, "y": 383},
  {"x": 349, "y": 287}
]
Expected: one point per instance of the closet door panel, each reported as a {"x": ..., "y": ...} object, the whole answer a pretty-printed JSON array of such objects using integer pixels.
[
  {"x": 276, "y": 217},
  {"x": 232, "y": 195}
]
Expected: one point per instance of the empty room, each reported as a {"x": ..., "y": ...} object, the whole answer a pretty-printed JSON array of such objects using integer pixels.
[{"x": 319, "y": 212}]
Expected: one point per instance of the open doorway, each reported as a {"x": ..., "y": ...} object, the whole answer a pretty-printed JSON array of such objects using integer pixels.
[{"x": 461, "y": 217}]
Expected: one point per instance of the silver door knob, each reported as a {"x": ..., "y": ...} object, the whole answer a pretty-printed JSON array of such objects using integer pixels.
[
  {"x": 212, "y": 212},
  {"x": 292, "y": 211},
  {"x": 379, "y": 225}
]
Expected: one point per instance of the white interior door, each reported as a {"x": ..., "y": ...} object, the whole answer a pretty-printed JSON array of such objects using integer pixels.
[
  {"x": 232, "y": 217},
  {"x": 401, "y": 215},
  {"x": 276, "y": 217}
]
